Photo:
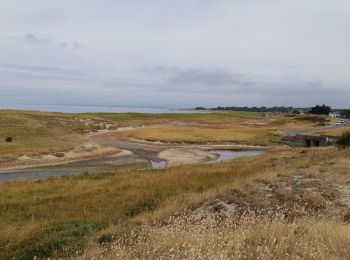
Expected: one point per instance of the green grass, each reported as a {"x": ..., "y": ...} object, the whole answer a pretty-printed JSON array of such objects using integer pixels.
[{"x": 64, "y": 237}]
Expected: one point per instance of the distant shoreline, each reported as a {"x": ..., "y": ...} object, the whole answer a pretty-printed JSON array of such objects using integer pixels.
[{"x": 97, "y": 109}]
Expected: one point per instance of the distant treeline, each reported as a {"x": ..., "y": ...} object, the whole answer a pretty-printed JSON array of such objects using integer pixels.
[
  {"x": 256, "y": 109},
  {"x": 318, "y": 110}
]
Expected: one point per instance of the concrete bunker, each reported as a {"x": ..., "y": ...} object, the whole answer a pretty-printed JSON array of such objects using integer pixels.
[{"x": 310, "y": 140}]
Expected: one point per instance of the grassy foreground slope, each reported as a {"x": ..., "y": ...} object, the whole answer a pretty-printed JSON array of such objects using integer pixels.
[{"x": 63, "y": 217}]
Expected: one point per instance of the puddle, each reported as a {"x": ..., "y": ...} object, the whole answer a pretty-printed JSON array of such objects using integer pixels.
[
  {"x": 226, "y": 155},
  {"x": 158, "y": 165}
]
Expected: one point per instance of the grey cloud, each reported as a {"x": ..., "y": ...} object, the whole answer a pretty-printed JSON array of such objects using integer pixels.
[
  {"x": 57, "y": 78},
  {"x": 35, "y": 39},
  {"x": 210, "y": 52},
  {"x": 71, "y": 45},
  {"x": 226, "y": 83},
  {"x": 46, "y": 40},
  {"x": 63, "y": 45},
  {"x": 208, "y": 78},
  {"x": 38, "y": 69},
  {"x": 77, "y": 45}
]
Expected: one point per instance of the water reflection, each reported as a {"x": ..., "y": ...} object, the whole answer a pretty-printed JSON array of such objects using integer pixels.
[
  {"x": 158, "y": 165},
  {"x": 226, "y": 155}
]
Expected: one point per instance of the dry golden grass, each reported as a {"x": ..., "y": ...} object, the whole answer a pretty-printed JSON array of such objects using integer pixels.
[
  {"x": 32, "y": 212},
  {"x": 206, "y": 134},
  {"x": 252, "y": 132},
  {"x": 334, "y": 132},
  {"x": 250, "y": 236},
  {"x": 302, "y": 232},
  {"x": 131, "y": 119},
  {"x": 41, "y": 132},
  {"x": 37, "y": 132},
  {"x": 56, "y": 216}
]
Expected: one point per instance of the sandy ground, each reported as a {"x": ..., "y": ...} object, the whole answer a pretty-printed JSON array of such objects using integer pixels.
[
  {"x": 317, "y": 189},
  {"x": 176, "y": 156},
  {"x": 83, "y": 152},
  {"x": 171, "y": 152}
]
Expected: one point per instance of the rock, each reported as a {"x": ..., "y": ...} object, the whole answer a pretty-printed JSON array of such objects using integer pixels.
[{"x": 59, "y": 155}]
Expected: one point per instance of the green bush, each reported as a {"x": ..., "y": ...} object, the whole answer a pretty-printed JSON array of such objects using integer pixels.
[
  {"x": 60, "y": 239},
  {"x": 344, "y": 140}
]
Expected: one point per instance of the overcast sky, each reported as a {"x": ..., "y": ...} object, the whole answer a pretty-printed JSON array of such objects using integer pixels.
[{"x": 175, "y": 52}]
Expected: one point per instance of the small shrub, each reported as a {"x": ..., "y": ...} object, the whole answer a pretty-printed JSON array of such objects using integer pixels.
[
  {"x": 346, "y": 217},
  {"x": 344, "y": 140},
  {"x": 105, "y": 239},
  {"x": 8, "y": 139}
]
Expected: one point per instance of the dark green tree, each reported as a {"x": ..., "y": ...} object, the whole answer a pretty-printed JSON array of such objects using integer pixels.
[
  {"x": 345, "y": 113},
  {"x": 344, "y": 140},
  {"x": 320, "y": 110}
]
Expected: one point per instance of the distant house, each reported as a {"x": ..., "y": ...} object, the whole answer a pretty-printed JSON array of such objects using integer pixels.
[{"x": 334, "y": 114}]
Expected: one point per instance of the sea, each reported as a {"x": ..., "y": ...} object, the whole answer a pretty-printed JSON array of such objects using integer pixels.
[{"x": 93, "y": 108}]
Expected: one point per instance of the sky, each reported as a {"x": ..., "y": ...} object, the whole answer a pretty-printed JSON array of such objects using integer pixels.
[{"x": 181, "y": 53}]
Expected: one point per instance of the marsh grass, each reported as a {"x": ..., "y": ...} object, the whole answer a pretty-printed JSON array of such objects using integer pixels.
[
  {"x": 43, "y": 132},
  {"x": 237, "y": 129},
  {"x": 207, "y": 134},
  {"x": 126, "y": 119}
]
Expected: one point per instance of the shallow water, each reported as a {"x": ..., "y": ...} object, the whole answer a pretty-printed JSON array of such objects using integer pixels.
[
  {"x": 226, "y": 155},
  {"x": 158, "y": 165},
  {"x": 101, "y": 165},
  {"x": 36, "y": 174}
]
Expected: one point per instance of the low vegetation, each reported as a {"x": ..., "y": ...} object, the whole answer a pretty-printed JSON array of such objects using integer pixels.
[
  {"x": 60, "y": 217},
  {"x": 129, "y": 119},
  {"x": 333, "y": 132},
  {"x": 24, "y": 132},
  {"x": 37, "y": 132},
  {"x": 199, "y": 134},
  {"x": 344, "y": 140},
  {"x": 250, "y": 236},
  {"x": 251, "y": 132},
  {"x": 129, "y": 213}
]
